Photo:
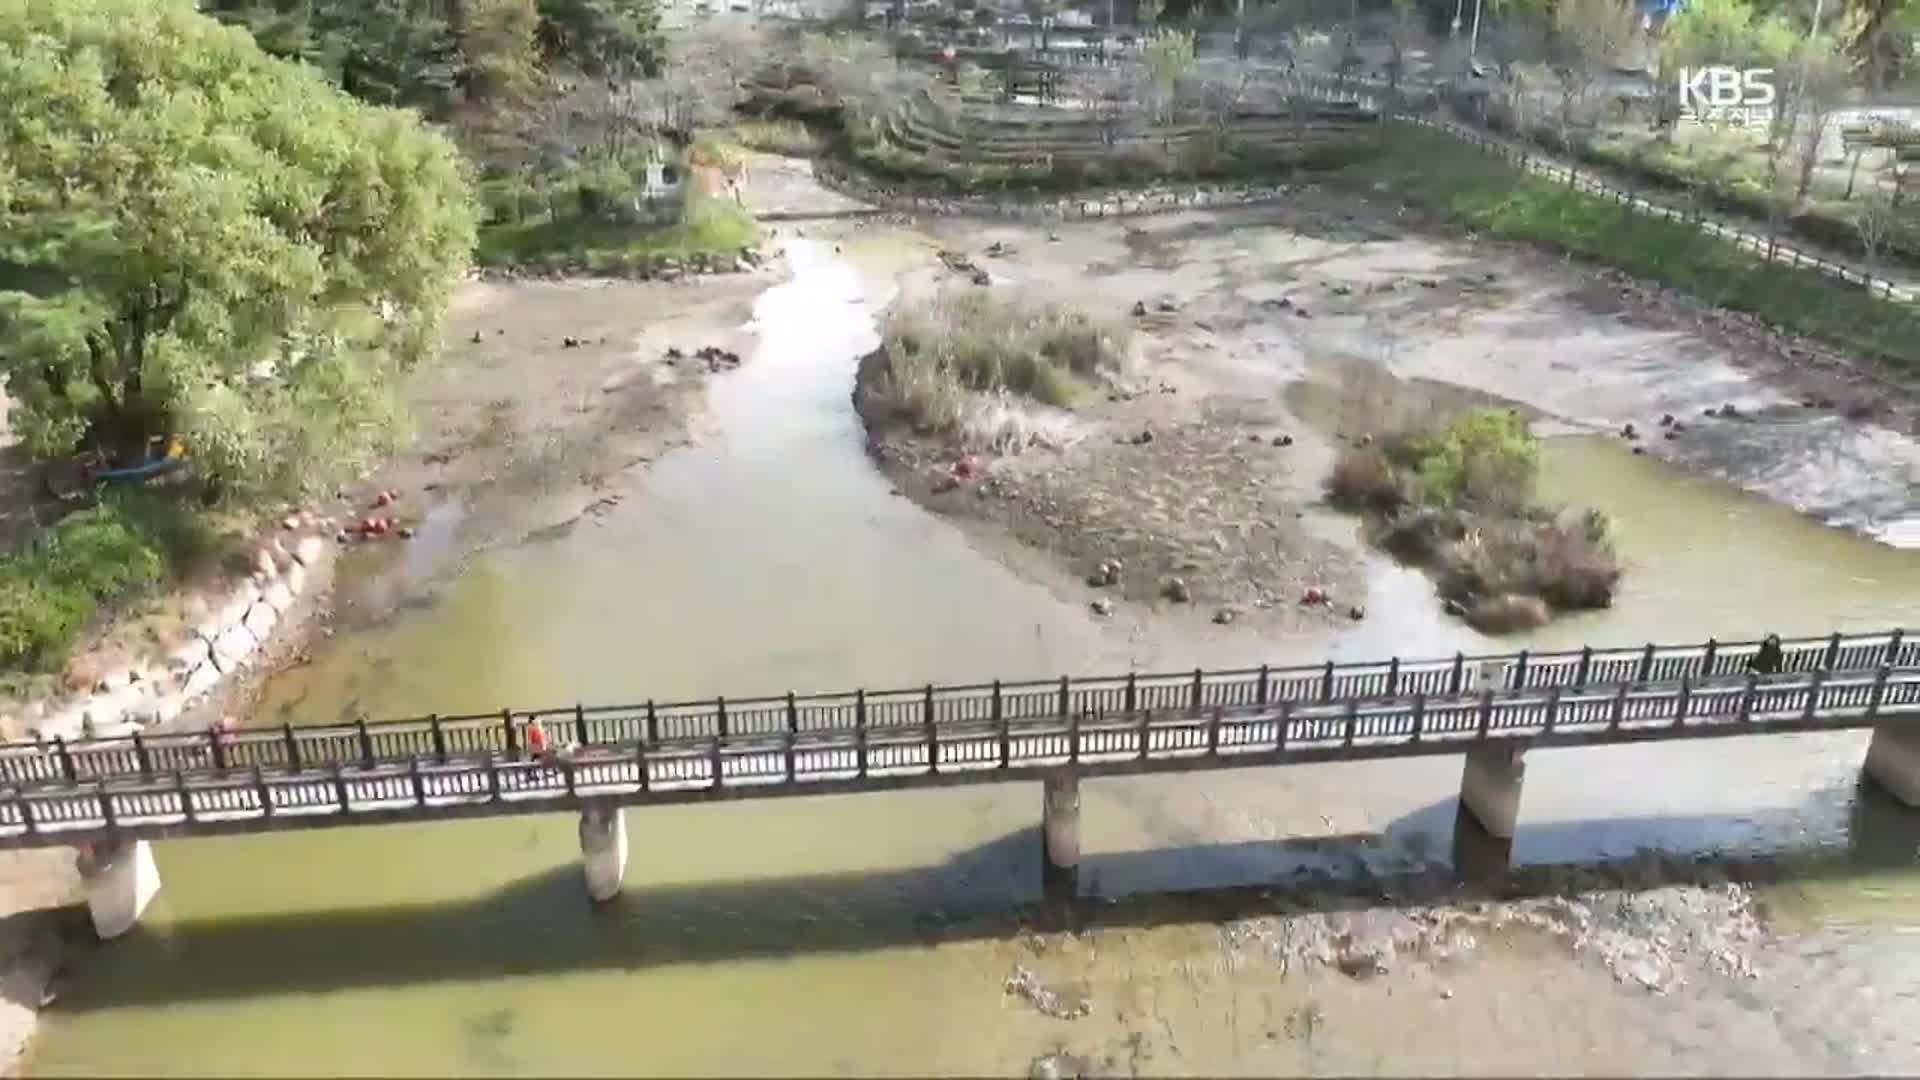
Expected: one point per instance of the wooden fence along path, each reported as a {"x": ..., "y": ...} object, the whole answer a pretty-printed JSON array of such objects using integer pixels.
[
  {"x": 454, "y": 766},
  {"x": 1768, "y": 249},
  {"x": 1376, "y": 95}
]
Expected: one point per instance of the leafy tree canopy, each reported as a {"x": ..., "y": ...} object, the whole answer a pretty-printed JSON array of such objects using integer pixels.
[{"x": 197, "y": 237}]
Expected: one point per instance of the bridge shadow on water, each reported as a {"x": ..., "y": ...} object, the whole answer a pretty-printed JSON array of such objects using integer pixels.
[{"x": 543, "y": 924}]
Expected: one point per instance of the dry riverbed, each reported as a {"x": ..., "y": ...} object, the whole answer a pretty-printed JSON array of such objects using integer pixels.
[{"x": 1272, "y": 337}]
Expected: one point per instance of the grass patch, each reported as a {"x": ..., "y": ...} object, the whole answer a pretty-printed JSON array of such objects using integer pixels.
[
  {"x": 1477, "y": 189},
  {"x": 1458, "y": 497},
  {"x": 959, "y": 361},
  {"x": 791, "y": 138},
  {"x": 124, "y": 548},
  {"x": 709, "y": 228}
]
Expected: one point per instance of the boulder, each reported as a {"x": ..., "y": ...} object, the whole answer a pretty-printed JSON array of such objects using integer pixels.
[
  {"x": 63, "y": 723},
  {"x": 236, "y": 644},
  {"x": 104, "y": 711},
  {"x": 295, "y": 579},
  {"x": 260, "y": 620},
  {"x": 191, "y": 654},
  {"x": 199, "y": 681},
  {"x": 236, "y": 607},
  {"x": 308, "y": 550},
  {"x": 279, "y": 596}
]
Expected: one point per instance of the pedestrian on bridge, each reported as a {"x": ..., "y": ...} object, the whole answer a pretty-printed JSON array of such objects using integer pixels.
[
  {"x": 536, "y": 738},
  {"x": 1770, "y": 659}
]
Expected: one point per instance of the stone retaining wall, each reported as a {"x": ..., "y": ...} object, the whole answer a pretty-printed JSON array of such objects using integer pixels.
[
  {"x": 225, "y": 643},
  {"x": 1165, "y": 200}
]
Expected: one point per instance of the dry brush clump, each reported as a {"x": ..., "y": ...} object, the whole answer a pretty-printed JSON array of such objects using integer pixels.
[
  {"x": 989, "y": 370},
  {"x": 1459, "y": 497}
]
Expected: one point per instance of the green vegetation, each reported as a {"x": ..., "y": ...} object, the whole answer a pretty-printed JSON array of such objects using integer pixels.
[
  {"x": 437, "y": 57},
  {"x": 779, "y": 136},
  {"x": 113, "y": 552},
  {"x": 707, "y": 226},
  {"x": 949, "y": 353},
  {"x": 1486, "y": 193},
  {"x": 200, "y": 239},
  {"x": 1459, "y": 496}
]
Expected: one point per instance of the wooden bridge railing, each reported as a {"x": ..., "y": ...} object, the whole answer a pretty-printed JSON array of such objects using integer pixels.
[
  {"x": 792, "y": 760},
  {"x": 656, "y": 723}
]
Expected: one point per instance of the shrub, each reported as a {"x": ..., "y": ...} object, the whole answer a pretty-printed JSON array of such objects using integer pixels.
[
  {"x": 122, "y": 548},
  {"x": 947, "y": 350},
  {"x": 1364, "y": 479},
  {"x": 1459, "y": 497},
  {"x": 1485, "y": 457}
]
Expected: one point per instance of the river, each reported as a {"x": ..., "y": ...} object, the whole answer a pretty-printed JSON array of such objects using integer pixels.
[{"x": 790, "y": 937}]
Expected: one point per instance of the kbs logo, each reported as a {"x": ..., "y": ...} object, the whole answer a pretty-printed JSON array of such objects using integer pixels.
[{"x": 1738, "y": 96}]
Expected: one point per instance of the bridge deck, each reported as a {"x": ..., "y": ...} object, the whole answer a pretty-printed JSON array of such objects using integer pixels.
[
  {"x": 368, "y": 744},
  {"x": 816, "y": 762}
]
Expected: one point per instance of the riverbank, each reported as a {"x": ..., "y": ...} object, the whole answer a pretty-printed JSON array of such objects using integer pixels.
[{"x": 547, "y": 395}]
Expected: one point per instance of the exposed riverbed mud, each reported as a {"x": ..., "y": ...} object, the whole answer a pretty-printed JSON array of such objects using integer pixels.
[{"x": 1252, "y": 325}]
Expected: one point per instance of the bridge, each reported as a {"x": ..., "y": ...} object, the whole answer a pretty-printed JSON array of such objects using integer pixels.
[{"x": 113, "y": 797}]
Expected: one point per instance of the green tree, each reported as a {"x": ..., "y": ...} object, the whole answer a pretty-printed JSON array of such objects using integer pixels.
[
  {"x": 389, "y": 52},
  {"x": 197, "y": 237},
  {"x": 603, "y": 37},
  {"x": 498, "y": 49}
]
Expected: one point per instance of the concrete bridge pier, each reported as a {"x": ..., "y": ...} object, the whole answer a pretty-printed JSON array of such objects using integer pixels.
[
  {"x": 1893, "y": 762},
  {"x": 1060, "y": 826},
  {"x": 603, "y": 850},
  {"x": 1490, "y": 787},
  {"x": 120, "y": 879}
]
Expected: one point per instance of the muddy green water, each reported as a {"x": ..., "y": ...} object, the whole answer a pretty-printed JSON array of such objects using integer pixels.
[{"x": 786, "y": 937}]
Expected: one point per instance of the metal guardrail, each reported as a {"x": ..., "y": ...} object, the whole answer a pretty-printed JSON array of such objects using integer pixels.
[
  {"x": 439, "y": 738},
  {"x": 793, "y": 762}
]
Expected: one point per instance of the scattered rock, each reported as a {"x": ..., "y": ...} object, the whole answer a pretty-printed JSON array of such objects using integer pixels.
[
  {"x": 1356, "y": 613},
  {"x": 1167, "y": 306},
  {"x": 1145, "y": 437},
  {"x": 1102, "y": 607},
  {"x": 1176, "y": 590},
  {"x": 279, "y": 597},
  {"x": 1628, "y": 432},
  {"x": 1224, "y": 616},
  {"x": 1667, "y": 419},
  {"x": 308, "y": 550},
  {"x": 1283, "y": 440},
  {"x": 1139, "y": 309},
  {"x": 1052, "y": 1002},
  {"x": 1342, "y": 290},
  {"x": 1302, "y": 313},
  {"x": 235, "y": 644},
  {"x": 260, "y": 620}
]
